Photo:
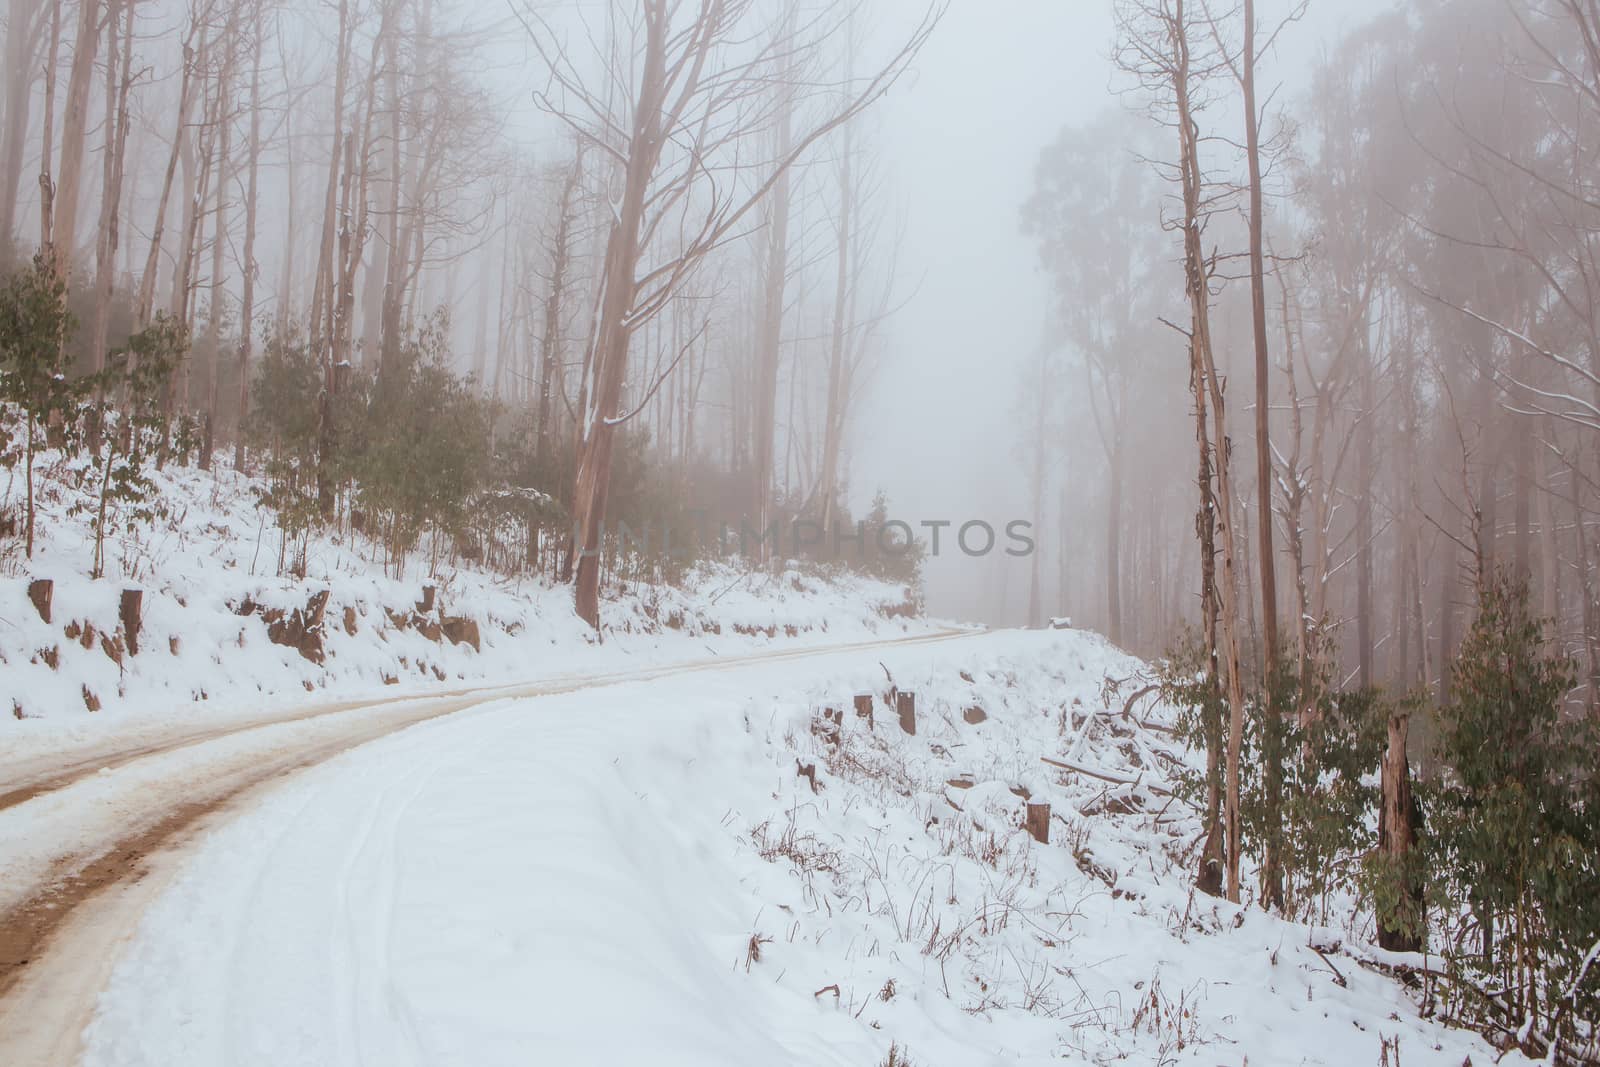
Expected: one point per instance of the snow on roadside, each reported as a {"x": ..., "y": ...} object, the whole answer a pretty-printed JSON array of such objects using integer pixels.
[
  {"x": 207, "y": 570},
  {"x": 637, "y": 873}
]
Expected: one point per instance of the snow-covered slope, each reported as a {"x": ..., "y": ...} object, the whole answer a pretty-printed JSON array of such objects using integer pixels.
[
  {"x": 643, "y": 873},
  {"x": 211, "y": 599}
]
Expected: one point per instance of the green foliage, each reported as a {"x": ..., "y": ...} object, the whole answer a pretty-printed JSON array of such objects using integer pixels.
[
  {"x": 416, "y": 442},
  {"x": 1515, "y": 823},
  {"x": 1329, "y": 793},
  {"x": 1326, "y": 758},
  {"x": 1187, "y": 685},
  {"x": 1388, "y": 881},
  {"x": 516, "y": 519},
  {"x": 283, "y": 423},
  {"x": 113, "y": 411},
  {"x": 128, "y": 409},
  {"x": 1509, "y": 855},
  {"x": 890, "y": 550},
  {"x": 413, "y": 442},
  {"x": 34, "y": 327}
]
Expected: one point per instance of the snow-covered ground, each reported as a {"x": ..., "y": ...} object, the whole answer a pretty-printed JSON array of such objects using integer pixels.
[
  {"x": 207, "y": 570},
  {"x": 637, "y": 874}
]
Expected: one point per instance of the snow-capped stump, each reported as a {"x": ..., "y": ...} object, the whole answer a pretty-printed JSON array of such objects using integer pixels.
[
  {"x": 863, "y": 703},
  {"x": 41, "y": 591},
  {"x": 1038, "y": 822},
  {"x": 828, "y": 729},
  {"x": 974, "y": 715},
  {"x": 905, "y": 705},
  {"x": 130, "y": 611},
  {"x": 808, "y": 771},
  {"x": 112, "y": 646},
  {"x": 90, "y": 701},
  {"x": 461, "y": 630},
  {"x": 425, "y": 605},
  {"x": 173, "y": 644},
  {"x": 350, "y": 620}
]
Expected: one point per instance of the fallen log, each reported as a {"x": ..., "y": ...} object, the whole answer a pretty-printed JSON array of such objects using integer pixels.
[{"x": 1106, "y": 776}]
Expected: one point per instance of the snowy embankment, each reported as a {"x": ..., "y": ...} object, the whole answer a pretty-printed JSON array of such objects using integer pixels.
[
  {"x": 642, "y": 873},
  {"x": 220, "y": 634}
]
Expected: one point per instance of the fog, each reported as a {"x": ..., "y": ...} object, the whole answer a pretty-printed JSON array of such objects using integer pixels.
[
  {"x": 765, "y": 262},
  {"x": 965, "y": 133}
]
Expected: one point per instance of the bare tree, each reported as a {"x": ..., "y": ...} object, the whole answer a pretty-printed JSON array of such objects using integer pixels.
[
  {"x": 699, "y": 86},
  {"x": 1162, "y": 43}
]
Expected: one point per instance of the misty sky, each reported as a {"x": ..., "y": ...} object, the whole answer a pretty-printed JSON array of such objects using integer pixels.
[{"x": 960, "y": 137}]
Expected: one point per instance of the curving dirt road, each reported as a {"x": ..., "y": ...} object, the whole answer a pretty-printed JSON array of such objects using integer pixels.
[{"x": 90, "y": 837}]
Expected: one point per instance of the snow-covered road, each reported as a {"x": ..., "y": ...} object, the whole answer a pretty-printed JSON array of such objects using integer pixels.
[
  {"x": 628, "y": 868},
  {"x": 92, "y": 840}
]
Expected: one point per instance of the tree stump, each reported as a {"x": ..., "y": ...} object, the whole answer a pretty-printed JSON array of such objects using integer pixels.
[
  {"x": 425, "y": 605},
  {"x": 1039, "y": 822},
  {"x": 808, "y": 771},
  {"x": 461, "y": 630},
  {"x": 864, "y": 707},
  {"x": 40, "y": 591},
  {"x": 974, "y": 715},
  {"x": 132, "y": 604},
  {"x": 831, "y": 726},
  {"x": 905, "y": 704},
  {"x": 302, "y": 629},
  {"x": 1399, "y": 827}
]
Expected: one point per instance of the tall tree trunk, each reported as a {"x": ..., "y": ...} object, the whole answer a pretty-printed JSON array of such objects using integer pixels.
[
  {"x": 1258, "y": 309},
  {"x": 322, "y": 297},
  {"x": 1549, "y": 547},
  {"x": 25, "y": 26},
  {"x": 180, "y": 133},
  {"x": 550, "y": 346},
  {"x": 118, "y": 82},
  {"x": 775, "y": 273},
  {"x": 833, "y": 415},
  {"x": 1040, "y": 449},
  {"x": 287, "y": 285},
  {"x": 1271, "y": 866},
  {"x": 1115, "y": 532},
  {"x": 1213, "y": 861},
  {"x": 1197, "y": 285},
  {"x": 247, "y": 304},
  {"x": 219, "y": 234},
  {"x": 74, "y": 125},
  {"x": 198, "y": 159},
  {"x": 47, "y": 185},
  {"x": 1366, "y": 481},
  {"x": 612, "y": 330}
]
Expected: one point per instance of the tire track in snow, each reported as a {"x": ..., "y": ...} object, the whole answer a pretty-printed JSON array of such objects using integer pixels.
[{"x": 118, "y": 822}]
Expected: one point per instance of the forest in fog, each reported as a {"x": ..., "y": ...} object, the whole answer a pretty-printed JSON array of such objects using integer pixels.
[
  {"x": 574, "y": 293},
  {"x": 1402, "y": 317},
  {"x": 305, "y": 235}
]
